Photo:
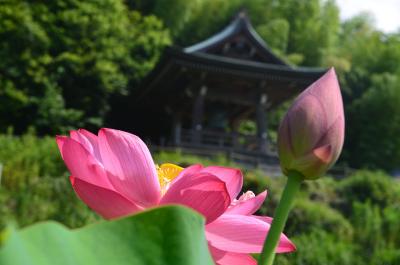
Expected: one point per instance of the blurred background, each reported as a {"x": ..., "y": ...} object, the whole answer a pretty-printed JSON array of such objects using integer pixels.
[{"x": 207, "y": 81}]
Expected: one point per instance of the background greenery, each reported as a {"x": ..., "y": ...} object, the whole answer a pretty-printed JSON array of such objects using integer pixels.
[{"x": 353, "y": 221}]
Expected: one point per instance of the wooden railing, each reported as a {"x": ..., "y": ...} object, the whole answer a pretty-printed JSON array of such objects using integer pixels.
[{"x": 223, "y": 140}]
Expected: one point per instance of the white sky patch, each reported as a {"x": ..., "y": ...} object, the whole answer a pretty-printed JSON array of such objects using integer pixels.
[{"x": 385, "y": 12}]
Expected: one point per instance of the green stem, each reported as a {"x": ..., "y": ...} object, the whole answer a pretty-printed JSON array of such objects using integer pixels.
[{"x": 292, "y": 186}]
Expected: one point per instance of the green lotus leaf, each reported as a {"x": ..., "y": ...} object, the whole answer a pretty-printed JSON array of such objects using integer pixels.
[{"x": 161, "y": 236}]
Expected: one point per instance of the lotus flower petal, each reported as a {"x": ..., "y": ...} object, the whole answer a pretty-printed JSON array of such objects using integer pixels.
[
  {"x": 242, "y": 234},
  {"x": 248, "y": 206},
  {"x": 89, "y": 139},
  {"x": 81, "y": 163},
  {"x": 327, "y": 90},
  {"x": 187, "y": 172},
  {"x": 108, "y": 203},
  {"x": 60, "y": 143},
  {"x": 266, "y": 219},
  {"x": 203, "y": 192},
  {"x": 334, "y": 137},
  {"x": 314, "y": 164},
  {"x": 232, "y": 177},
  {"x": 131, "y": 168},
  {"x": 80, "y": 138},
  {"x": 307, "y": 121},
  {"x": 230, "y": 258}
]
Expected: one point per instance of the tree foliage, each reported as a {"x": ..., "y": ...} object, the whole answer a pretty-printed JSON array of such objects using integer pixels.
[
  {"x": 373, "y": 138},
  {"x": 61, "y": 60}
]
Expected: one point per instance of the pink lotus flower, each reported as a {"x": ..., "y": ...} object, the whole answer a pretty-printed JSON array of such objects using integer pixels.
[
  {"x": 311, "y": 134},
  {"x": 114, "y": 174}
]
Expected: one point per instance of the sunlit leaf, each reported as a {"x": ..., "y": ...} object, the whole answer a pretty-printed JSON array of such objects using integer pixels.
[{"x": 168, "y": 235}]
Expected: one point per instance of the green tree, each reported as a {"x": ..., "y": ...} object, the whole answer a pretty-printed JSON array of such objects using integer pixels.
[
  {"x": 206, "y": 19},
  {"x": 63, "y": 60},
  {"x": 374, "y": 118},
  {"x": 175, "y": 14}
]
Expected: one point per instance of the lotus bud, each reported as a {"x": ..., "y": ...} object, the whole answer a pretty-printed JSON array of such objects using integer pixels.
[{"x": 311, "y": 134}]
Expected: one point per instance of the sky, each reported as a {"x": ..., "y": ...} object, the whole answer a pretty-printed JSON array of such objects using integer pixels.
[{"x": 385, "y": 12}]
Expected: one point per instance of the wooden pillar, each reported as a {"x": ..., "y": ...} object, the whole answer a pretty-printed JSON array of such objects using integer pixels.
[
  {"x": 197, "y": 115},
  {"x": 261, "y": 118},
  {"x": 177, "y": 130},
  {"x": 235, "y": 133}
]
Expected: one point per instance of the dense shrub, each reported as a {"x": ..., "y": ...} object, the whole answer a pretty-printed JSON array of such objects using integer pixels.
[
  {"x": 34, "y": 185},
  {"x": 386, "y": 256},
  {"x": 27, "y": 157},
  {"x": 322, "y": 190},
  {"x": 45, "y": 198},
  {"x": 377, "y": 232},
  {"x": 367, "y": 222},
  {"x": 375, "y": 187},
  {"x": 321, "y": 248},
  {"x": 303, "y": 218},
  {"x": 391, "y": 224}
]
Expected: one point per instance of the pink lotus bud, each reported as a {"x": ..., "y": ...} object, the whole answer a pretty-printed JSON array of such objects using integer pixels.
[{"x": 311, "y": 134}]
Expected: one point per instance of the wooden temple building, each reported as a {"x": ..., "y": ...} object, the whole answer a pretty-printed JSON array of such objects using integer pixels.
[{"x": 196, "y": 97}]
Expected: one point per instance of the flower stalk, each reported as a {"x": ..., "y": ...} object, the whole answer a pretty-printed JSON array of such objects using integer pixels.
[{"x": 281, "y": 214}]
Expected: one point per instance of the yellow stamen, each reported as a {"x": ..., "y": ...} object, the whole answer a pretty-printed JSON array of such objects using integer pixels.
[{"x": 166, "y": 173}]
